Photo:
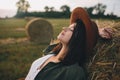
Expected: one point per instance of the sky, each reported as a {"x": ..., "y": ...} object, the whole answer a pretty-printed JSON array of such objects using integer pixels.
[{"x": 8, "y": 7}]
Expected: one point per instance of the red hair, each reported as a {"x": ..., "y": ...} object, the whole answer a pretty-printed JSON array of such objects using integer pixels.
[{"x": 90, "y": 26}]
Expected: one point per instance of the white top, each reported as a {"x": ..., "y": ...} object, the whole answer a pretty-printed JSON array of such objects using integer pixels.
[{"x": 35, "y": 65}]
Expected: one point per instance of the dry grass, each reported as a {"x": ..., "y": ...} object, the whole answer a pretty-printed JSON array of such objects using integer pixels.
[
  {"x": 105, "y": 60},
  {"x": 17, "y": 53}
]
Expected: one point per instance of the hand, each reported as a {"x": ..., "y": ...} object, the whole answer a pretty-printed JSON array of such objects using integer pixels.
[{"x": 106, "y": 33}]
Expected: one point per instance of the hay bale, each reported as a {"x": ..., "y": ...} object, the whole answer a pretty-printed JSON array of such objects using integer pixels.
[
  {"x": 39, "y": 30},
  {"x": 105, "y": 60}
]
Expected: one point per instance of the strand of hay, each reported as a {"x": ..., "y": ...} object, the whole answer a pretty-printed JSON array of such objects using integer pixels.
[
  {"x": 39, "y": 30},
  {"x": 105, "y": 60}
]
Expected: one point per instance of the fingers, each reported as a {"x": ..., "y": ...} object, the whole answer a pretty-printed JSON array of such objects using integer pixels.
[
  {"x": 106, "y": 33},
  {"x": 109, "y": 30}
]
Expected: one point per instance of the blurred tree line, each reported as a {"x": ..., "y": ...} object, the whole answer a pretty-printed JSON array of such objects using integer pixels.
[{"x": 97, "y": 11}]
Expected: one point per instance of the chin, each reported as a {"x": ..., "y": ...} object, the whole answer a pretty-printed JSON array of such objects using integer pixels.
[{"x": 59, "y": 37}]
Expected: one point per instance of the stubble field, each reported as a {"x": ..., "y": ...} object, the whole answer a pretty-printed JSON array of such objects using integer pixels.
[{"x": 17, "y": 53}]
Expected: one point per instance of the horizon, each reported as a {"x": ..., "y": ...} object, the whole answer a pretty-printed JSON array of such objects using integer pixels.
[{"x": 10, "y": 11}]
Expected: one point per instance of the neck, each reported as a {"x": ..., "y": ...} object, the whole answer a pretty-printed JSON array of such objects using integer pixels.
[{"x": 60, "y": 56}]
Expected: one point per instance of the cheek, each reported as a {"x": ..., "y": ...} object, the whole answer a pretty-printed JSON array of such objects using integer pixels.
[
  {"x": 65, "y": 38},
  {"x": 68, "y": 37}
]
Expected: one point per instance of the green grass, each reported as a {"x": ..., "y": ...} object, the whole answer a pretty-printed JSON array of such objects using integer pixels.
[
  {"x": 58, "y": 24},
  {"x": 16, "y": 58},
  {"x": 8, "y": 27}
]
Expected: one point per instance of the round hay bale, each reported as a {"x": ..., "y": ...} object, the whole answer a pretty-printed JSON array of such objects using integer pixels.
[{"x": 39, "y": 30}]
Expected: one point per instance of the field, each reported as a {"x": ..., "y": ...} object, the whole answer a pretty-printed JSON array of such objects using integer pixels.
[{"x": 17, "y": 52}]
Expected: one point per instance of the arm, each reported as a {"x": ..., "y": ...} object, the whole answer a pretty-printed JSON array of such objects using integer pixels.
[{"x": 104, "y": 33}]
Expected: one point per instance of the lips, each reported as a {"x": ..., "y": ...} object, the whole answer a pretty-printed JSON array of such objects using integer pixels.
[{"x": 62, "y": 33}]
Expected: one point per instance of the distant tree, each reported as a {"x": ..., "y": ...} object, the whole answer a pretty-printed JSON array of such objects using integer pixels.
[
  {"x": 65, "y": 8},
  {"x": 27, "y": 5},
  {"x": 46, "y": 8},
  {"x": 51, "y": 9},
  {"x": 66, "y": 11},
  {"x": 23, "y": 6},
  {"x": 100, "y": 9},
  {"x": 90, "y": 10}
]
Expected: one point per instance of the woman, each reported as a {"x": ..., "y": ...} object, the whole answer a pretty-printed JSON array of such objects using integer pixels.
[
  {"x": 67, "y": 63},
  {"x": 67, "y": 60}
]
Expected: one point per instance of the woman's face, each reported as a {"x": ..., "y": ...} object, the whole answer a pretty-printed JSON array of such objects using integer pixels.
[{"x": 66, "y": 34}]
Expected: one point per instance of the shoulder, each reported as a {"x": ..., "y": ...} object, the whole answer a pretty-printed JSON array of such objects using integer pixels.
[{"x": 76, "y": 72}]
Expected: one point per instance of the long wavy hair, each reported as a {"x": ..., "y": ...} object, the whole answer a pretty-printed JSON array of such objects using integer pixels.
[{"x": 76, "y": 46}]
